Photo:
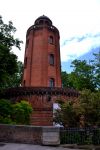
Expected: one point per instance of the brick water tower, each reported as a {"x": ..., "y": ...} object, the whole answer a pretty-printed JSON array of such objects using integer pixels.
[
  {"x": 42, "y": 66},
  {"x": 41, "y": 84}
]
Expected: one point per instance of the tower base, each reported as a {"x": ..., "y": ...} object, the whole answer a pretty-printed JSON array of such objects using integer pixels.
[
  {"x": 42, "y": 111},
  {"x": 41, "y": 99}
]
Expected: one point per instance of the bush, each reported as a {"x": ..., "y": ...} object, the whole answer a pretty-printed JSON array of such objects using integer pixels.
[
  {"x": 21, "y": 113},
  {"x": 5, "y": 108},
  {"x": 18, "y": 113},
  {"x": 83, "y": 112}
]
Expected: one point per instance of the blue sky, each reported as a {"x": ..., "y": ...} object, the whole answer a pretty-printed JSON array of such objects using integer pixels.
[
  {"x": 66, "y": 66},
  {"x": 77, "y": 20}
]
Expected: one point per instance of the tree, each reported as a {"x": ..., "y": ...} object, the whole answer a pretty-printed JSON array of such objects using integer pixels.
[
  {"x": 8, "y": 60},
  {"x": 82, "y": 75},
  {"x": 5, "y": 111},
  {"x": 66, "y": 80},
  {"x": 90, "y": 103},
  {"x": 16, "y": 78},
  {"x": 22, "y": 111},
  {"x": 84, "y": 112},
  {"x": 96, "y": 65},
  {"x": 66, "y": 115},
  {"x": 18, "y": 113}
]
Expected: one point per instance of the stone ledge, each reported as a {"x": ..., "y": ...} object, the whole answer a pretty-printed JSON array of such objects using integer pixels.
[
  {"x": 47, "y": 135},
  {"x": 50, "y": 136}
]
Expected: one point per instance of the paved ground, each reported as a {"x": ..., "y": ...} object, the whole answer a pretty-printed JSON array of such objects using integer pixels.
[{"x": 13, "y": 146}]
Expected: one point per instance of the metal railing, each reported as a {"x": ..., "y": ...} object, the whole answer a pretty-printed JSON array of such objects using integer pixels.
[{"x": 80, "y": 136}]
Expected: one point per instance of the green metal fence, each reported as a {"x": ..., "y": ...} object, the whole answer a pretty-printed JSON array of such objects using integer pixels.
[{"x": 80, "y": 136}]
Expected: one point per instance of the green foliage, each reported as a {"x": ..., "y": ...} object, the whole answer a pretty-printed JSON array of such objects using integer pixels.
[
  {"x": 90, "y": 103},
  {"x": 84, "y": 111},
  {"x": 5, "y": 111},
  {"x": 6, "y": 35},
  {"x": 66, "y": 79},
  {"x": 96, "y": 64},
  {"x": 22, "y": 111},
  {"x": 66, "y": 115},
  {"x": 5, "y": 108},
  {"x": 84, "y": 75},
  {"x": 15, "y": 79},
  {"x": 6, "y": 120},
  {"x": 8, "y": 60},
  {"x": 18, "y": 113}
]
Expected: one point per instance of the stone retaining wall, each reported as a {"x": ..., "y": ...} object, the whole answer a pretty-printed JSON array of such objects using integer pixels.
[
  {"x": 20, "y": 134},
  {"x": 29, "y": 134}
]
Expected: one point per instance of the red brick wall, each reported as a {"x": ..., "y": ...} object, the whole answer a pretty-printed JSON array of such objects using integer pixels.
[
  {"x": 42, "y": 111},
  {"x": 20, "y": 134},
  {"x": 43, "y": 107},
  {"x": 38, "y": 71}
]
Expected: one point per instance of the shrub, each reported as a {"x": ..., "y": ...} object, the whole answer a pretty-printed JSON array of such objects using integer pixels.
[
  {"x": 21, "y": 113},
  {"x": 18, "y": 113}
]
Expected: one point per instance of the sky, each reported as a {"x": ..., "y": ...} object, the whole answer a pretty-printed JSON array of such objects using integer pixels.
[{"x": 78, "y": 22}]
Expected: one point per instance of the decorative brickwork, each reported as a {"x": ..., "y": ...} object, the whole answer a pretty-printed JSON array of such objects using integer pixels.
[
  {"x": 42, "y": 41},
  {"x": 41, "y": 84},
  {"x": 42, "y": 67},
  {"x": 41, "y": 99}
]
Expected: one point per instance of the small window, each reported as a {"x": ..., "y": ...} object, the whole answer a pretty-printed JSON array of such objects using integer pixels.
[
  {"x": 50, "y": 39},
  {"x": 25, "y": 62},
  {"x": 41, "y": 22},
  {"x": 51, "y": 59},
  {"x": 51, "y": 82},
  {"x": 27, "y": 43},
  {"x": 24, "y": 83},
  {"x": 46, "y": 22}
]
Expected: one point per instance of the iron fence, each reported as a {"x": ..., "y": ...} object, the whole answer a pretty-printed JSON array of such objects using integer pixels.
[{"x": 80, "y": 136}]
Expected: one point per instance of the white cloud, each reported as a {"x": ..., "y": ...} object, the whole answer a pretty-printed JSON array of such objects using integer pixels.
[
  {"x": 74, "y": 48},
  {"x": 72, "y": 17}
]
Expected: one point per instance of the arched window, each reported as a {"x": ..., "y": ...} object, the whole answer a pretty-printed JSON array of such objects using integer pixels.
[
  {"x": 50, "y": 39},
  {"x": 51, "y": 59},
  {"x": 51, "y": 82}
]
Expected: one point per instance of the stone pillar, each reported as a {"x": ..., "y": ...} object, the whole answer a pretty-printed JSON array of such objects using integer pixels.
[{"x": 51, "y": 136}]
